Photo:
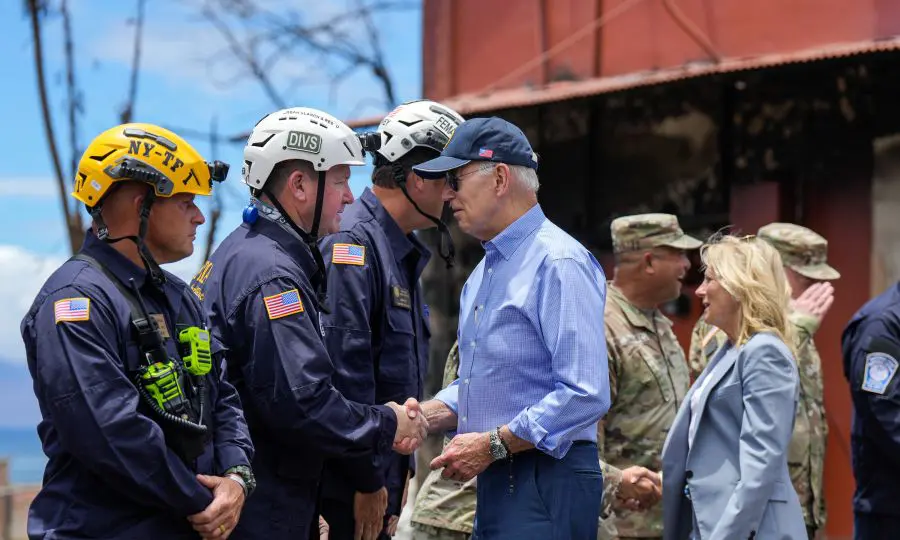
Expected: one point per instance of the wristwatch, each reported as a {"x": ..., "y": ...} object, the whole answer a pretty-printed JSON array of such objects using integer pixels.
[
  {"x": 247, "y": 480},
  {"x": 498, "y": 447}
]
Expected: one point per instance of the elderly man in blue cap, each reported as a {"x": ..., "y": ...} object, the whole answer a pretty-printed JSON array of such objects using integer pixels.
[{"x": 533, "y": 380}]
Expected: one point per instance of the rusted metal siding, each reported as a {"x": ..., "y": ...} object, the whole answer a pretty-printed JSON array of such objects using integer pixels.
[{"x": 472, "y": 46}]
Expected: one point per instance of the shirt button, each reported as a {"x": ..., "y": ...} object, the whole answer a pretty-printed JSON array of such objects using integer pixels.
[
  {"x": 465, "y": 418},
  {"x": 490, "y": 270},
  {"x": 466, "y": 381},
  {"x": 473, "y": 343}
]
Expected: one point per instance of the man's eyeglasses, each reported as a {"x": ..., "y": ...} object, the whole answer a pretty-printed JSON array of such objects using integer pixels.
[{"x": 453, "y": 177}]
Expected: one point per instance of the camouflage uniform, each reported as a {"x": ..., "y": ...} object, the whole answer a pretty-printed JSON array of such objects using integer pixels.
[
  {"x": 803, "y": 251},
  {"x": 445, "y": 509},
  {"x": 648, "y": 373}
]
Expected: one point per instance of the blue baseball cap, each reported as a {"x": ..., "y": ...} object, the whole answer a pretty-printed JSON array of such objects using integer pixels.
[{"x": 481, "y": 139}]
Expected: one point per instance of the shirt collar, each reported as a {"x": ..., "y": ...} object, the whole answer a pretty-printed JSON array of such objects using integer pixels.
[
  {"x": 291, "y": 244},
  {"x": 510, "y": 238},
  {"x": 635, "y": 316},
  {"x": 401, "y": 244},
  {"x": 124, "y": 270}
]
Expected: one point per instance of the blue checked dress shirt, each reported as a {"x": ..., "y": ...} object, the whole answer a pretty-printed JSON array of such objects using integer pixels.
[{"x": 531, "y": 339}]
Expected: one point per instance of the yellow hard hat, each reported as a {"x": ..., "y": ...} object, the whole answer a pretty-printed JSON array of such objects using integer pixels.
[{"x": 145, "y": 153}]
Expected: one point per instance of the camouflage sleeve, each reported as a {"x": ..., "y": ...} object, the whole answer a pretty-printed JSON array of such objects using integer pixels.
[
  {"x": 805, "y": 327},
  {"x": 696, "y": 358},
  {"x": 612, "y": 477},
  {"x": 613, "y": 359},
  {"x": 451, "y": 367}
]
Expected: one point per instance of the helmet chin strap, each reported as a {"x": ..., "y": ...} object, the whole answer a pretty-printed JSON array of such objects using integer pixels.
[
  {"x": 445, "y": 251},
  {"x": 153, "y": 270},
  {"x": 318, "y": 281}
]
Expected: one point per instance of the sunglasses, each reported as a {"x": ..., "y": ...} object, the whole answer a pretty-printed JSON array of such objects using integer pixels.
[{"x": 453, "y": 177}]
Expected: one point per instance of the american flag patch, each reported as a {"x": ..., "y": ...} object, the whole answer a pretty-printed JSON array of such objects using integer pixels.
[
  {"x": 348, "y": 254},
  {"x": 484, "y": 152},
  {"x": 283, "y": 304},
  {"x": 72, "y": 309}
]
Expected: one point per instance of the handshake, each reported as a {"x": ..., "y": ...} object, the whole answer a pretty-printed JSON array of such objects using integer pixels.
[
  {"x": 639, "y": 489},
  {"x": 412, "y": 427}
]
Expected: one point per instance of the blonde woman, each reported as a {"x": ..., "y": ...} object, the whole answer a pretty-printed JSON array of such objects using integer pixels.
[{"x": 724, "y": 461}]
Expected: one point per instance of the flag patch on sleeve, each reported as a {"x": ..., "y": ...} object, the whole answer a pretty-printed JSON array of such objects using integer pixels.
[
  {"x": 283, "y": 304},
  {"x": 72, "y": 309},
  {"x": 348, "y": 254}
]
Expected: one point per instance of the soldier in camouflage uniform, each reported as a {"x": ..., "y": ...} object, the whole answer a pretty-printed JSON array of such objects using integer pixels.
[
  {"x": 445, "y": 509},
  {"x": 648, "y": 373},
  {"x": 803, "y": 253}
]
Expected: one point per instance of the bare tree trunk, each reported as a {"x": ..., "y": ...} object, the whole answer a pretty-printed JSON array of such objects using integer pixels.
[
  {"x": 71, "y": 88},
  {"x": 73, "y": 222},
  {"x": 216, "y": 208},
  {"x": 128, "y": 108}
]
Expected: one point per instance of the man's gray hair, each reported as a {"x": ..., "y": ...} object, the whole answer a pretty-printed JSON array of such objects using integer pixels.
[{"x": 527, "y": 177}]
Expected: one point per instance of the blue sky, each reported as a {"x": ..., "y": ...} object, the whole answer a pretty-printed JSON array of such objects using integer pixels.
[{"x": 181, "y": 85}]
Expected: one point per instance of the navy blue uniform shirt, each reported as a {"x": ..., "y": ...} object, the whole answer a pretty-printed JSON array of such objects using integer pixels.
[
  {"x": 256, "y": 290},
  {"x": 377, "y": 333},
  {"x": 110, "y": 473},
  {"x": 871, "y": 349}
]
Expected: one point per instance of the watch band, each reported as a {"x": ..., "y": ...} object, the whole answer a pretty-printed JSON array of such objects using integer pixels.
[
  {"x": 246, "y": 475},
  {"x": 240, "y": 481}
]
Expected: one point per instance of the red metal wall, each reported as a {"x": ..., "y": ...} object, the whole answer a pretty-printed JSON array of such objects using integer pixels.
[{"x": 470, "y": 45}]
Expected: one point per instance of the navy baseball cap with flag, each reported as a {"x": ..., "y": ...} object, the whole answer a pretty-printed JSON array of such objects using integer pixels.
[{"x": 481, "y": 139}]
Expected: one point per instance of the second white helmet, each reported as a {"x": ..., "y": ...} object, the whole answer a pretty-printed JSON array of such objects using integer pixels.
[
  {"x": 298, "y": 133},
  {"x": 420, "y": 123}
]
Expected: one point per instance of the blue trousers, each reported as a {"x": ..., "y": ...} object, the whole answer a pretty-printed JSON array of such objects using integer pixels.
[{"x": 535, "y": 496}]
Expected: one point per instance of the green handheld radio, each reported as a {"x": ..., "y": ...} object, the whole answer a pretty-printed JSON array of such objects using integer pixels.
[
  {"x": 161, "y": 381},
  {"x": 195, "y": 353}
]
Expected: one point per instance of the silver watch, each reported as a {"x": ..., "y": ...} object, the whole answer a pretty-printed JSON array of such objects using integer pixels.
[{"x": 498, "y": 449}]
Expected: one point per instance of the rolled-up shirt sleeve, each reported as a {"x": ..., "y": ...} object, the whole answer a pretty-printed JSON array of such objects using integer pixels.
[{"x": 570, "y": 311}]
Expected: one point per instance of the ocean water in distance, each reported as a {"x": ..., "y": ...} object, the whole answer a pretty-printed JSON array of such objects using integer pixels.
[{"x": 22, "y": 447}]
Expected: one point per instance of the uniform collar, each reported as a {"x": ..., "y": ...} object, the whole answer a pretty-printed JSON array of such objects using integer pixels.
[
  {"x": 401, "y": 244},
  {"x": 636, "y": 317},
  {"x": 292, "y": 245},
  {"x": 510, "y": 238},
  {"x": 124, "y": 270}
]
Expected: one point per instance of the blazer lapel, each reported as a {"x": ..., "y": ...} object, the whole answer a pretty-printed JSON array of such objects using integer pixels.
[{"x": 718, "y": 368}]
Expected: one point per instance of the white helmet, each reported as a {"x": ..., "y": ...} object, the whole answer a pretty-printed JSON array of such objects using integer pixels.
[
  {"x": 416, "y": 123},
  {"x": 298, "y": 133}
]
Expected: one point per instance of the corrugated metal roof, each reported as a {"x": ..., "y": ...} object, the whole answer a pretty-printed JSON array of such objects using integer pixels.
[{"x": 470, "y": 104}]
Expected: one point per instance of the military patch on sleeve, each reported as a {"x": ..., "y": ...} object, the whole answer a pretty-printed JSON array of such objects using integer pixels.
[
  {"x": 348, "y": 254},
  {"x": 283, "y": 304},
  {"x": 880, "y": 369},
  {"x": 72, "y": 310}
]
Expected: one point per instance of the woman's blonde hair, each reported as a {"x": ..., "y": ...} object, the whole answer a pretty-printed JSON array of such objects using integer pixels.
[{"x": 751, "y": 270}]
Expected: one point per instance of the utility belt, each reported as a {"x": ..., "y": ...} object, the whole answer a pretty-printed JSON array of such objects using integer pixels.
[{"x": 172, "y": 389}]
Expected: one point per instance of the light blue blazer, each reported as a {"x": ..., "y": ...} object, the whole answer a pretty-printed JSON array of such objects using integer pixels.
[{"x": 736, "y": 471}]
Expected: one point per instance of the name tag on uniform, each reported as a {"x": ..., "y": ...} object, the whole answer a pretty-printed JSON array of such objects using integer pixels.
[
  {"x": 400, "y": 297},
  {"x": 880, "y": 369}
]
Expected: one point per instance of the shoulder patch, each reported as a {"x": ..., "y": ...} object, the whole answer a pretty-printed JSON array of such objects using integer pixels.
[
  {"x": 348, "y": 254},
  {"x": 283, "y": 304},
  {"x": 72, "y": 309},
  {"x": 880, "y": 369}
]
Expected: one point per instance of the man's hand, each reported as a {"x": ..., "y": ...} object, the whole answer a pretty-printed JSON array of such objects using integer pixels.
[
  {"x": 640, "y": 489},
  {"x": 465, "y": 457},
  {"x": 221, "y": 516},
  {"x": 368, "y": 512},
  {"x": 815, "y": 300},
  {"x": 412, "y": 427},
  {"x": 323, "y": 529}
]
